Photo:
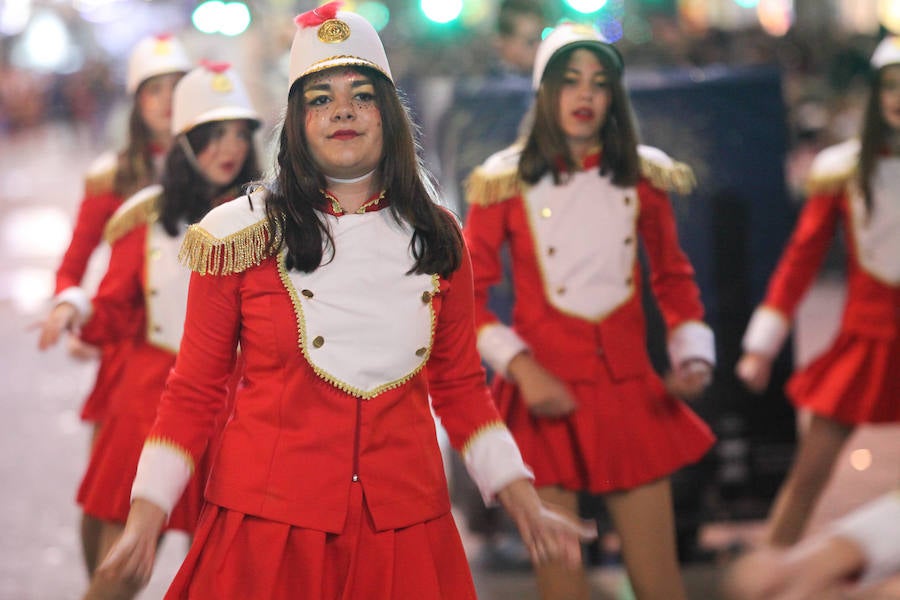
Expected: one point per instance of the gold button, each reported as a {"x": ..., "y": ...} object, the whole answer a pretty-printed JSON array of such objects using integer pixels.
[
  {"x": 627, "y": 200},
  {"x": 551, "y": 251},
  {"x": 561, "y": 290},
  {"x": 546, "y": 213},
  {"x": 426, "y": 297},
  {"x": 155, "y": 253},
  {"x": 421, "y": 351},
  {"x": 629, "y": 281},
  {"x": 153, "y": 292},
  {"x": 628, "y": 241},
  {"x": 307, "y": 293},
  {"x": 319, "y": 341},
  {"x": 157, "y": 329}
]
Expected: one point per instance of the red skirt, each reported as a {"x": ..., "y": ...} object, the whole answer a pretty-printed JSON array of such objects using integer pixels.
[
  {"x": 238, "y": 556},
  {"x": 622, "y": 435},
  {"x": 105, "y": 491},
  {"x": 857, "y": 380},
  {"x": 112, "y": 360}
]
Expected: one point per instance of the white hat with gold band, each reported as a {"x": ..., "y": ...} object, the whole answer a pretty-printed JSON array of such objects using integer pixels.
[
  {"x": 327, "y": 37},
  {"x": 211, "y": 92},
  {"x": 566, "y": 35},
  {"x": 886, "y": 53},
  {"x": 155, "y": 55}
]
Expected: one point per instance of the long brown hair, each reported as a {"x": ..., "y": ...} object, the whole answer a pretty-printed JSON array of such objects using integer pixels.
[
  {"x": 296, "y": 193},
  {"x": 873, "y": 138},
  {"x": 546, "y": 149},
  {"x": 134, "y": 163}
]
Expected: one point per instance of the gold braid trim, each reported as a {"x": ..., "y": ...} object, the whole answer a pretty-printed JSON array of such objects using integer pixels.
[
  {"x": 175, "y": 447},
  {"x": 489, "y": 426},
  {"x": 677, "y": 177},
  {"x": 832, "y": 183},
  {"x": 122, "y": 223},
  {"x": 483, "y": 188},
  {"x": 205, "y": 254}
]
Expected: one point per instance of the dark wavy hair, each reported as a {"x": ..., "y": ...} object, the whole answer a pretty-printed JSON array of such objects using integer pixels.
[
  {"x": 296, "y": 194},
  {"x": 873, "y": 138},
  {"x": 545, "y": 147},
  {"x": 187, "y": 196}
]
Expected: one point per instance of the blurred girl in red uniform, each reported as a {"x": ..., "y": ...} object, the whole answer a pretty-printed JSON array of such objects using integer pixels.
[
  {"x": 154, "y": 67},
  {"x": 140, "y": 304},
  {"x": 854, "y": 184},
  {"x": 575, "y": 383},
  {"x": 349, "y": 291}
]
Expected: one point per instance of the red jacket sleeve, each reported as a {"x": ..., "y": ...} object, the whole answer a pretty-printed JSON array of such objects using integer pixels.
[
  {"x": 803, "y": 255},
  {"x": 459, "y": 393},
  {"x": 118, "y": 307},
  {"x": 671, "y": 273},
  {"x": 197, "y": 387},
  {"x": 94, "y": 212},
  {"x": 485, "y": 233}
]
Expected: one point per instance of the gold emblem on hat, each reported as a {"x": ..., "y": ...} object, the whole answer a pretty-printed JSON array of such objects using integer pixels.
[
  {"x": 221, "y": 83},
  {"x": 162, "y": 47},
  {"x": 582, "y": 29},
  {"x": 334, "y": 31}
]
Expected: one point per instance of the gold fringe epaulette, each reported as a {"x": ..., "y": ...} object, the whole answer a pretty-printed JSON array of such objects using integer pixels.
[
  {"x": 130, "y": 217},
  {"x": 674, "y": 177},
  {"x": 831, "y": 183},
  {"x": 484, "y": 188},
  {"x": 205, "y": 254}
]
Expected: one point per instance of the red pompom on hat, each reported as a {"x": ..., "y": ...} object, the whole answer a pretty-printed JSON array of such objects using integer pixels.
[
  {"x": 328, "y": 37},
  {"x": 316, "y": 17}
]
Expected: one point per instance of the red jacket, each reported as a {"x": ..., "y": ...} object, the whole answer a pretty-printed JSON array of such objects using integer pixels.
[
  {"x": 575, "y": 271},
  {"x": 340, "y": 365},
  {"x": 873, "y": 252}
]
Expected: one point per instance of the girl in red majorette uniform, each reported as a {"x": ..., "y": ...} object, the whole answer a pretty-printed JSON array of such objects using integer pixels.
[
  {"x": 855, "y": 185},
  {"x": 572, "y": 202}
]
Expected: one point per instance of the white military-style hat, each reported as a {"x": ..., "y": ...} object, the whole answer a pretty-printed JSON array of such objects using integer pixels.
[
  {"x": 886, "y": 53},
  {"x": 211, "y": 92},
  {"x": 565, "y": 36},
  {"x": 327, "y": 37},
  {"x": 155, "y": 55}
]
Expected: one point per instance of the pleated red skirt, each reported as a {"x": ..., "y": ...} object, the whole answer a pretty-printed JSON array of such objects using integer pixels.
[
  {"x": 105, "y": 490},
  {"x": 857, "y": 380},
  {"x": 237, "y": 556},
  {"x": 622, "y": 435},
  {"x": 112, "y": 360}
]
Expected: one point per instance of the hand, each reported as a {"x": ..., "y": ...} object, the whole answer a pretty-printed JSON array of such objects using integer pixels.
[
  {"x": 81, "y": 350},
  {"x": 820, "y": 568},
  {"x": 542, "y": 392},
  {"x": 689, "y": 380},
  {"x": 754, "y": 370},
  {"x": 63, "y": 317},
  {"x": 130, "y": 560},
  {"x": 549, "y": 533}
]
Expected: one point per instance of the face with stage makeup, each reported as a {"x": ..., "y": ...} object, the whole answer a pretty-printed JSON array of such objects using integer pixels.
[{"x": 342, "y": 122}]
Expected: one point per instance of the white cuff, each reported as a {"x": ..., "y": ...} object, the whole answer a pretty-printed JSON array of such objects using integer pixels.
[
  {"x": 766, "y": 332},
  {"x": 493, "y": 462},
  {"x": 692, "y": 340},
  {"x": 498, "y": 344},
  {"x": 78, "y": 298},
  {"x": 876, "y": 528},
  {"x": 162, "y": 474}
]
